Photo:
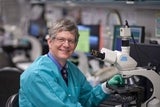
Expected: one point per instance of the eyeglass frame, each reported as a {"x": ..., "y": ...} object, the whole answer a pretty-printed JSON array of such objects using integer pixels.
[{"x": 62, "y": 40}]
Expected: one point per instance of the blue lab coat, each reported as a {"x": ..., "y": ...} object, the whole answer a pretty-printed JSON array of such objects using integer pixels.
[{"x": 42, "y": 85}]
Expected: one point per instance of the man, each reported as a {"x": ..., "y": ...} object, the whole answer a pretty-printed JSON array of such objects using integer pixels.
[{"x": 43, "y": 84}]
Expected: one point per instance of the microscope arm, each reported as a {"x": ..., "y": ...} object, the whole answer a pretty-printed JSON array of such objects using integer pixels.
[{"x": 152, "y": 76}]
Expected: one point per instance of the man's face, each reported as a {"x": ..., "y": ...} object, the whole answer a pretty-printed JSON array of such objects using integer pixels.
[{"x": 62, "y": 46}]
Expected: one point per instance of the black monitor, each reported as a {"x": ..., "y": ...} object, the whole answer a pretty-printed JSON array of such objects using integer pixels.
[
  {"x": 89, "y": 38},
  {"x": 138, "y": 32},
  {"x": 146, "y": 55}
]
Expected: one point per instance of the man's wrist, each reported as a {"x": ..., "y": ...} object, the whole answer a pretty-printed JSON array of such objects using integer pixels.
[
  {"x": 106, "y": 89},
  {"x": 108, "y": 85}
]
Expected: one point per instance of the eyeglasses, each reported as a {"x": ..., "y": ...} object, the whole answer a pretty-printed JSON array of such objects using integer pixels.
[{"x": 63, "y": 40}]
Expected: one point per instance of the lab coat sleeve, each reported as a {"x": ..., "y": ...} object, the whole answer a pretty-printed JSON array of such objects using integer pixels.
[
  {"x": 88, "y": 96},
  {"x": 91, "y": 96}
]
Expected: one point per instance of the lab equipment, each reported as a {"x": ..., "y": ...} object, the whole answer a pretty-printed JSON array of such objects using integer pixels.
[
  {"x": 127, "y": 66},
  {"x": 138, "y": 32}
]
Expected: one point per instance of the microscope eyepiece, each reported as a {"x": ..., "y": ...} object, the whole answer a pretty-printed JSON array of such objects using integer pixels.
[{"x": 98, "y": 54}]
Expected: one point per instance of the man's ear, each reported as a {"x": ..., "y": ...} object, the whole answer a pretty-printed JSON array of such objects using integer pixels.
[{"x": 49, "y": 41}]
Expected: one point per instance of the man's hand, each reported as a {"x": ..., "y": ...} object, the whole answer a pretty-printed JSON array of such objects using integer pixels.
[{"x": 116, "y": 80}]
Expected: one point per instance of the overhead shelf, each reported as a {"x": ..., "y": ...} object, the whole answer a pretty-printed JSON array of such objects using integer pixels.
[
  {"x": 109, "y": 1},
  {"x": 153, "y": 4},
  {"x": 139, "y": 2}
]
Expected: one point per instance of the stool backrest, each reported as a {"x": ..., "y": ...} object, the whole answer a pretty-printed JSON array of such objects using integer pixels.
[{"x": 9, "y": 83}]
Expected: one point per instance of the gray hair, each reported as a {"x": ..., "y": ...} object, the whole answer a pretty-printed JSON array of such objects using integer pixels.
[{"x": 64, "y": 25}]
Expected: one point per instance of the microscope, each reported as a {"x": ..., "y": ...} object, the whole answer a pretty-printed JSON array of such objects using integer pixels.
[{"x": 127, "y": 67}]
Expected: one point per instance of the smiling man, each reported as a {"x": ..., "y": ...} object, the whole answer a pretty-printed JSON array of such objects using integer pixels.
[{"x": 53, "y": 81}]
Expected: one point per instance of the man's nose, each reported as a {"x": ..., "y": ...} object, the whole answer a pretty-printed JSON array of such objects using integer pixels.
[{"x": 66, "y": 42}]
